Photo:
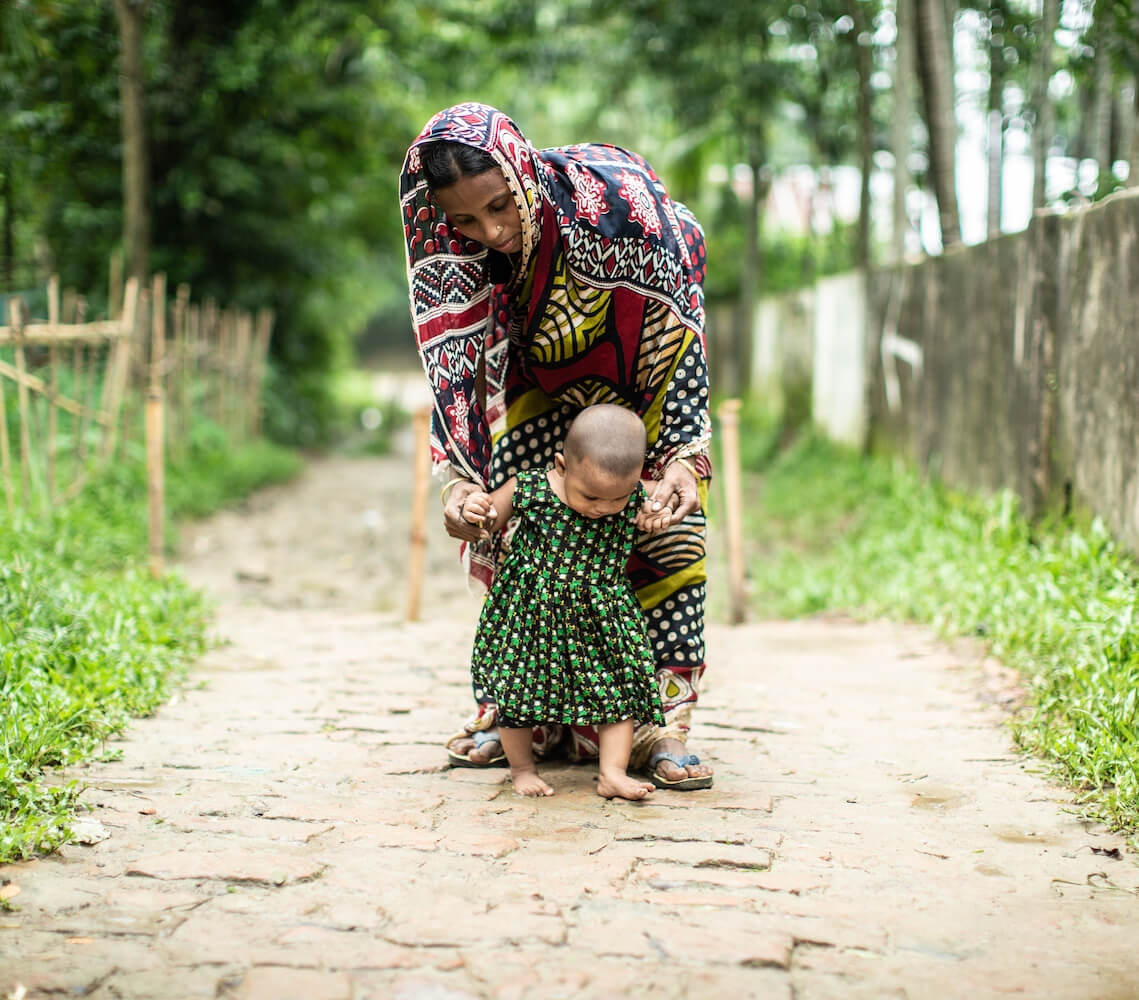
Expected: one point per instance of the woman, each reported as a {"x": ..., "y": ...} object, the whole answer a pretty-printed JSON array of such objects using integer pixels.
[{"x": 544, "y": 281}]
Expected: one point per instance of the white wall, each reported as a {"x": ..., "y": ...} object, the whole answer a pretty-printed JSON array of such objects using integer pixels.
[{"x": 839, "y": 372}]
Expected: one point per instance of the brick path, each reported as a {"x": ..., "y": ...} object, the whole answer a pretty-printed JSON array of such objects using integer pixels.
[{"x": 286, "y": 828}]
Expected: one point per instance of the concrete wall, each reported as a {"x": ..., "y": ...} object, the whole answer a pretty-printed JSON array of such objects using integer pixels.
[
  {"x": 839, "y": 374},
  {"x": 1010, "y": 364}
]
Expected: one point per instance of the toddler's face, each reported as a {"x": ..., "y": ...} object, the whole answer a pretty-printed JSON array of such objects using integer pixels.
[{"x": 592, "y": 491}]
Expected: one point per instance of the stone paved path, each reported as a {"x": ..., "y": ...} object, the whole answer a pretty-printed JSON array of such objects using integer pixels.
[{"x": 285, "y": 827}]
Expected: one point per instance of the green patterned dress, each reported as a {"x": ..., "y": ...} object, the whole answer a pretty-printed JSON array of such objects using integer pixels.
[{"x": 561, "y": 637}]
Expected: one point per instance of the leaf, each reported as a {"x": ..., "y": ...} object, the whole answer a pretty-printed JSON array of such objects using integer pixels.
[{"x": 9, "y": 890}]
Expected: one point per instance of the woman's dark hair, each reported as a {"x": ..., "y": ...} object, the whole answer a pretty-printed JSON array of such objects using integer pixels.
[{"x": 444, "y": 162}]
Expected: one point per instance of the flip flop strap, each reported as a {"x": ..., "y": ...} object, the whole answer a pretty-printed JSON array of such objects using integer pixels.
[{"x": 686, "y": 761}]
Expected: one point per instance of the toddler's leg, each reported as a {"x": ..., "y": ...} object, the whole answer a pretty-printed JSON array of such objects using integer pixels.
[
  {"x": 615, "y": 741},
  {"x": 519, "y": 747}
]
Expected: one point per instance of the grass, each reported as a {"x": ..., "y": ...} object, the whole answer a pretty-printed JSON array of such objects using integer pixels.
[
  {"x": 88, "y": 640},
  {"x": 833, "y": 531}
]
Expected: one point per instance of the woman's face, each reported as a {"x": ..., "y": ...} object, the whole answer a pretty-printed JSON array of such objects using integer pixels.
[{"x": 482, "y": 208}]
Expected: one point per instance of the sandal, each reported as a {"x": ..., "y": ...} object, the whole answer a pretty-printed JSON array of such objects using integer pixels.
[
  {"x": 686, "y": 784},
  {"x": 464, "y": 760}
]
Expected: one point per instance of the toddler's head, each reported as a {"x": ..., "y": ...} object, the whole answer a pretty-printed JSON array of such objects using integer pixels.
[{"x": 602, "y": 459}]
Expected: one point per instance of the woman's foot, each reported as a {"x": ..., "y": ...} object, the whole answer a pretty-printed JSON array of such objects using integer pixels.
[
  {"x": 693, "y": 774},
  {"x": 621, "y": 786},
  {"x": 528, "y": 782},
  {"x": 481, "y": 750}
]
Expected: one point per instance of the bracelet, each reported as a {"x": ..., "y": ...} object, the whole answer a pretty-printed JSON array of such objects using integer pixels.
[
  {"x": 447, "y": 486},
  {"x": 688, "y": 465}
]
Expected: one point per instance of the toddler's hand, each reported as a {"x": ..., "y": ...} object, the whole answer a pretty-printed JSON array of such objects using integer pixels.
[
  {"x": 478, "y": 509},
  {"x": 651, "y": 521}
]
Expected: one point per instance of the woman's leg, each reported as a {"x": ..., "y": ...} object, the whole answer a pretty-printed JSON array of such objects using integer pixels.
[
  {"x": 518, "y": 744},
  {"x": 669, "y": 575},
  {"x": 615, "y": 740},
  {"x": 477, "y": 743}
]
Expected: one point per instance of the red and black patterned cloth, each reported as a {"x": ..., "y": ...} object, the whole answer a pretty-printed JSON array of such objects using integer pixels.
[{"x": 604, "y": 304}]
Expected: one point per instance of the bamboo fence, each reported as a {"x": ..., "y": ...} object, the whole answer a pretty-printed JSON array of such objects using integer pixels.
[{"x": 72, "y": 391}]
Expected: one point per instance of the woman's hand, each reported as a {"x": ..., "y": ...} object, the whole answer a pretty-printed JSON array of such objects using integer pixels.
[
  {"x": 651, "y": 519},
  {"x": 454, "y": 521},
  {"x": 677, "y": 491}
]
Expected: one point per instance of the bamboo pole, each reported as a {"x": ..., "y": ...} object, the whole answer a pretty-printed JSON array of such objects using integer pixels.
[
  {"x": 70, "y": 306},
  {"x": 118, "y": 367},
  {"x": 155, "y": 436},
  {"x": 243, "y": 377},
  {"x": 260, "y": 356},
  {"x": 38, "y": 385},
  {"x": 733, "y": 506},
  {"x": 16, "y": 319},
  {"x": 52, "y": 409},
  {"x": 179, "y": 384},
  {"x": 46, "y": 334},
  {"x": 191, "y": 385},
  {"x": 421, "y": 452},
  {"x": 6, "y": 452},
  {"x": 115, "y": 291}
]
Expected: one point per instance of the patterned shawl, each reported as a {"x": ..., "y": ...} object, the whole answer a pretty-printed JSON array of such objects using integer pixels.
[
  {"x": 607, "y": 304},
  {"x": 595, "y": 218}
]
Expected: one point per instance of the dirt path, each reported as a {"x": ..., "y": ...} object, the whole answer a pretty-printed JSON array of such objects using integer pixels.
[{"x": 286, "y": 828}]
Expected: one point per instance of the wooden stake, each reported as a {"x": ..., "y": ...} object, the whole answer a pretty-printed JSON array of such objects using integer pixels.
[
  {"x": 260, "y": 356},
  {"x": 733, "y": 506},
  {"x": 156, "y": 429},
  {"x": 155, "y": 481},
  {"x": 190, "y": 364},
  {"x": 178, "y": 385},
  {"x": 421, "y": 477},
  {"x": 16, "y": 320},
  {"x": 115, "y": 286},
  {"x": 118, "y": 369},
  {"x": 52, "y": 411},
  {"x": 6, "y": 453}
]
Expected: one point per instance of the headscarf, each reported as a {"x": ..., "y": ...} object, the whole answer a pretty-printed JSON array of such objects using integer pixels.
[{"x": 593, "y": 217}]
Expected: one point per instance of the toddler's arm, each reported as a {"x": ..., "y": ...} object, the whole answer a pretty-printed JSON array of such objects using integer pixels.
[{"x": 651, "y": 521}]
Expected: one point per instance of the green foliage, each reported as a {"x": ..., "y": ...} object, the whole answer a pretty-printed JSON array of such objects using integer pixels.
[
  {"x": 88, "y": 639},
  {"x": 1059, "y": 604},
  {"x": 787, "y": 260}
]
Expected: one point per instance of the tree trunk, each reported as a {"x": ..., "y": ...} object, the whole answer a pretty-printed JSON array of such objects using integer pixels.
[
  {"x": 136, "y": 194},
  {"x": 901, "y": 126},
  {"x": 935, "y": 73},
  {"x": 996, "y": 144},
  {"x": 1133, "y": 151},
  {"x": 9, "y": 199},
  {"x": 1101, "y": 116},
  {"x": 1043, "y": 125},
  {"x": 865, "y": 131},
  {"x": 740, "y": 366}
]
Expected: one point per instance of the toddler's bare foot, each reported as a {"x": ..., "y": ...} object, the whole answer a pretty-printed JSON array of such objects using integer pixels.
[
  {"x": 621, "y": 786},
  {"x": 528, "y": 782}
]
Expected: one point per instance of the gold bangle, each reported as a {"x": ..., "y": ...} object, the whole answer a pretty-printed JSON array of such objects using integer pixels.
[
  {"x": 447, "y": 486},
  {"x": 688, "y": 465}
]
